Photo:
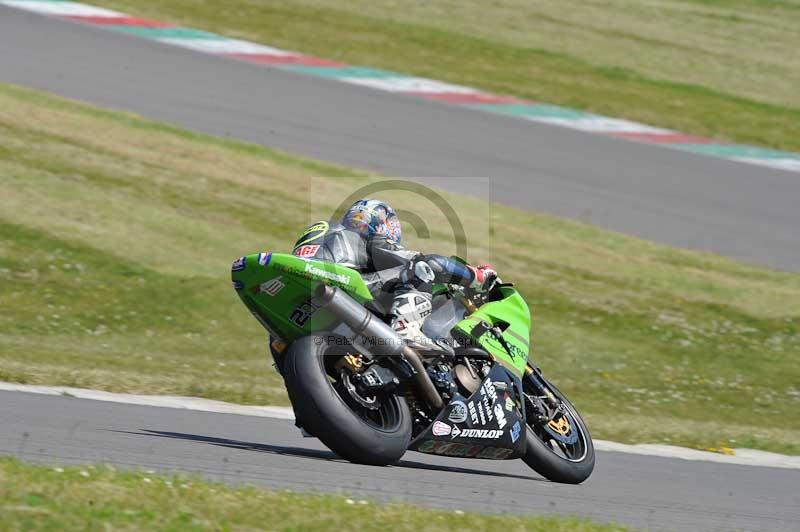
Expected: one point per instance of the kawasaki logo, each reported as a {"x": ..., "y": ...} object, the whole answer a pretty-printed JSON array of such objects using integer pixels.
[{"x": 338, "y": 277}]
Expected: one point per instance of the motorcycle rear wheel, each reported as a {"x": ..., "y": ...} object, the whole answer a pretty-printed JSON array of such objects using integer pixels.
[
  {"x": 322, "y": 405},
  {"x": 555, "y": 460}
]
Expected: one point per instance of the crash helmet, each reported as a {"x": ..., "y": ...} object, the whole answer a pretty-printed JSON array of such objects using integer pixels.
[{"x": 369, "y": 217}]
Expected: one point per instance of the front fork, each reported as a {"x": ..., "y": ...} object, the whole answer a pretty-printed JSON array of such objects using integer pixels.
[{"x": 546, "y": 404}]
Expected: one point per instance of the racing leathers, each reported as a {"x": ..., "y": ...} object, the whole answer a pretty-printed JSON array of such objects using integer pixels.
[{"x": 400, "y": 280}]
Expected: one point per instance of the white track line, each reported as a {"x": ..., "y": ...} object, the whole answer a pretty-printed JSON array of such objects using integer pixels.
[
  {"x": 600, "y": 124},
  {"x": 226, "y": 46},
  {"x": 63, "y": 9},
  {"x": 740, "y": 457},
  {"x": 401, "y": 83},
  {"x": 165, "y": 401}
]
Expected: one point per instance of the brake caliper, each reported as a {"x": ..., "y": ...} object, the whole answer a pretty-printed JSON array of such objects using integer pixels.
[{"x": 376, "y": 378}]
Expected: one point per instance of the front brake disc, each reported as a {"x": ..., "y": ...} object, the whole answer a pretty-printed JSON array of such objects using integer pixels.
[{"x": 370, "y": 403}]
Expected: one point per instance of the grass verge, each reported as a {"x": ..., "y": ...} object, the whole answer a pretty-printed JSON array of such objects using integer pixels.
[
  {"x": 101, "y": 498},
  {"x": 116, "y": 236},
  {"x": 721, "y": 69}
]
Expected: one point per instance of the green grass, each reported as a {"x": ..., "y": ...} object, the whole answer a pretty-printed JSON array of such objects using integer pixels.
[
  {"x": 726, "y": 69},
  {"x": 116, "y": 236},
  {"x": 101, "y": 498}
]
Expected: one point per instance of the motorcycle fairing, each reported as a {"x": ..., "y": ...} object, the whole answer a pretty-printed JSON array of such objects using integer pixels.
[
  {"x": 278, "y": 290},
  {"x": 511, "y": 315},
  {"x": 488, "y": 424}
]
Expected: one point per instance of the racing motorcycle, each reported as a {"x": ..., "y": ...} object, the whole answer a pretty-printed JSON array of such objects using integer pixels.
[{"x": 356, "y": 386}]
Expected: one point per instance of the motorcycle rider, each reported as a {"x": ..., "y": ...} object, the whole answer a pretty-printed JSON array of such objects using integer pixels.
[{"x": 367, "y": 239}]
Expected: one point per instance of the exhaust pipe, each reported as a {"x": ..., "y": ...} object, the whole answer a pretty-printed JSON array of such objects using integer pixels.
[{"x": 367, "y": 325}]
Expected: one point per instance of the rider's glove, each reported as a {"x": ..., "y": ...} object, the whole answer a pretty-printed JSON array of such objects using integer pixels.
[{"x": 484, "y": 277}]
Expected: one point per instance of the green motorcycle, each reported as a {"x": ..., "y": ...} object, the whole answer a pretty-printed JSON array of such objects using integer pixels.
[{"x": 357, "y": 387}]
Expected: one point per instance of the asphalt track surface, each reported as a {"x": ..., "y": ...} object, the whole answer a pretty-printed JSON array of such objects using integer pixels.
[
  {"x": 678, "y": 198},
  {"x": 656, "y": 493}
]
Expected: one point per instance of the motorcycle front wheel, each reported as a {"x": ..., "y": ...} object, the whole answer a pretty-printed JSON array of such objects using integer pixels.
[
  {"x": 561, "y": 450},
  {"x": 374, "y": 431}
]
